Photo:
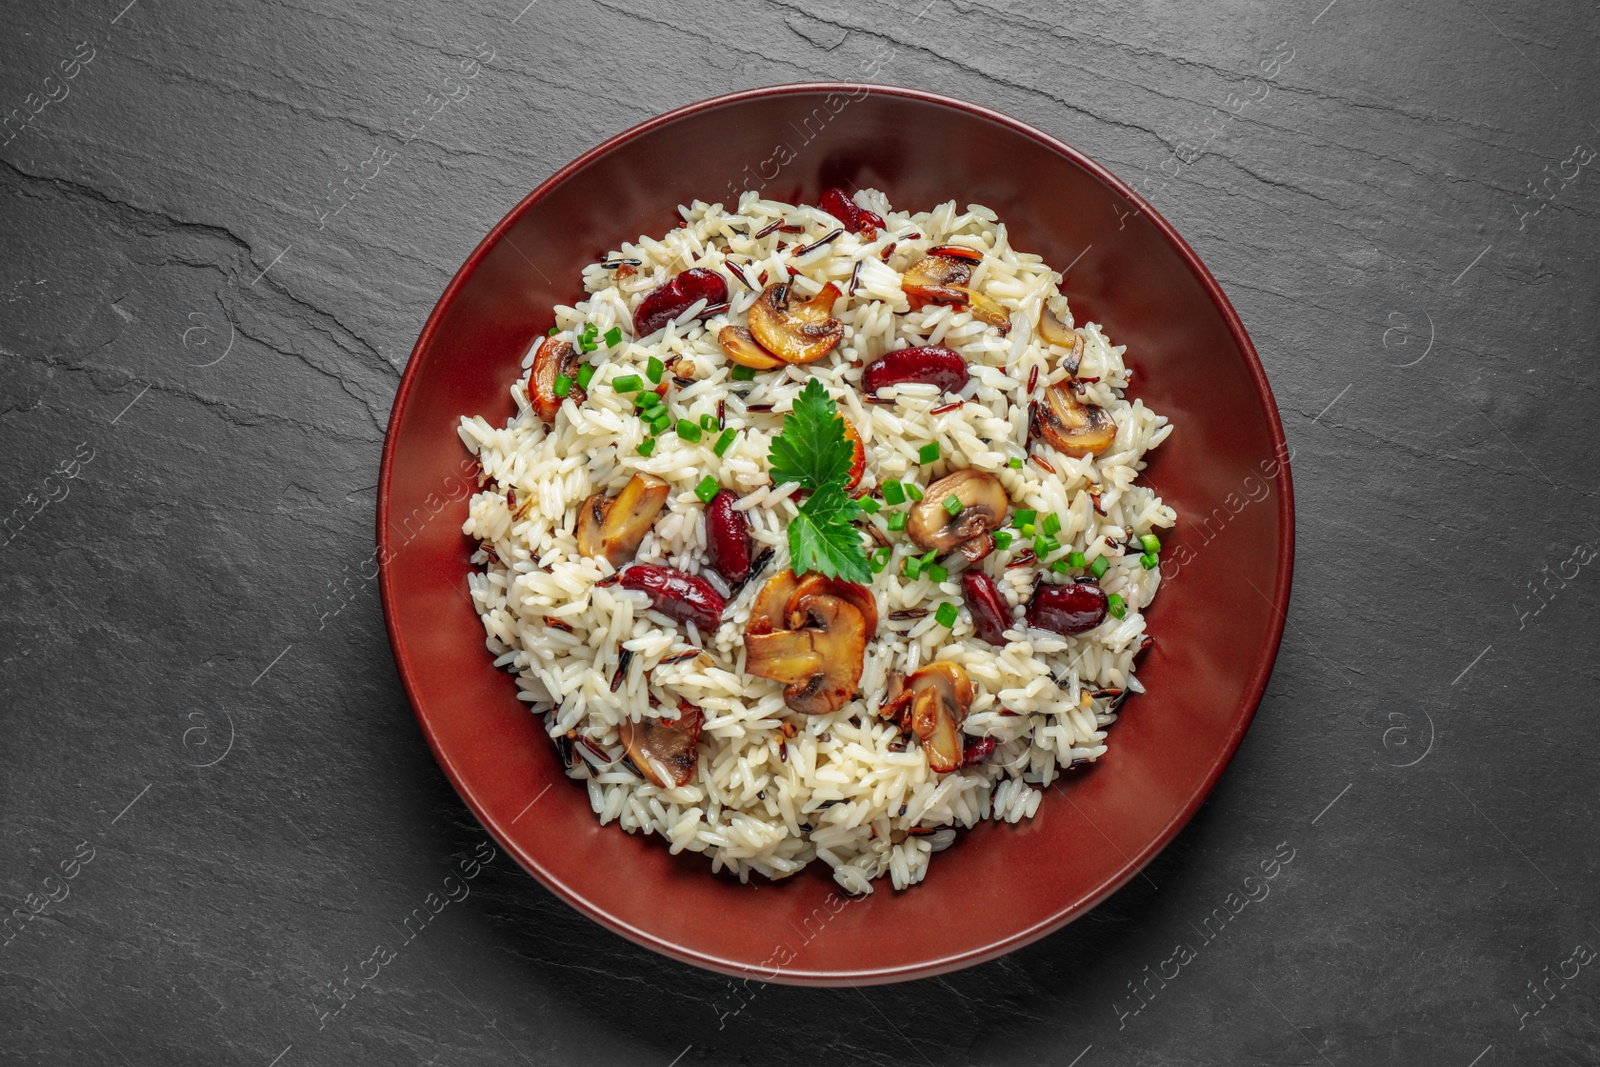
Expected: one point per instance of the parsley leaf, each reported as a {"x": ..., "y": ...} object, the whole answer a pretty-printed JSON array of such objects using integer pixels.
[
  {"x": 822, "y": 539},
  {"x": 812, "y": 448}
]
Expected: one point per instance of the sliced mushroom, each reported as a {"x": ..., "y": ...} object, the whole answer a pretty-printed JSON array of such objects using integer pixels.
[
  {"x": 1070, "y": 426},
  {"x": 664, "y": 751},
  {"x": 933, "y": 705},
  {"x": 937, "y": 279},
  {"x": 984, "y": 503},
  {"x": 612, "y": 529},
  {"x": 553, "y": 360},
  {"x": 858, "y": 458},
  {"x": 1056, "y": 332},
  {"x": 818, "y": 655},
  {"x": 989, "y": 311},
  {"x": 796, "y": 332},
  {"x": 741, "y": 347}
]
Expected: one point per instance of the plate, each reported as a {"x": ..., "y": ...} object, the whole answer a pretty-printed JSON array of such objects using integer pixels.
[{"x": 1217, "y": 622}]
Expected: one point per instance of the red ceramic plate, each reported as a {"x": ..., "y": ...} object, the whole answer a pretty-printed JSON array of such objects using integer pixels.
[{"x": 1217, "y": 621}]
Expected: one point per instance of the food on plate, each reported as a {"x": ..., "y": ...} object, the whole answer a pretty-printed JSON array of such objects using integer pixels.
[{"x": 817, "y": 534}]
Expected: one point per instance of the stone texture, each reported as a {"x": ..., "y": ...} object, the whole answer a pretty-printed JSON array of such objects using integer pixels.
[{"x": 198, "y": 693}]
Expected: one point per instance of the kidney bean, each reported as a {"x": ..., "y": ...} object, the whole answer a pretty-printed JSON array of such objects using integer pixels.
[
  {"x": 728, "y": 537},
  {"x": 1067, "y": 609},
  {"x": 931, "y": 364},
  {"x": 677, "y": 595},
  {"x": 857, "y": 219},
  {"x": 977, "y": 751},
  {"x": 666, "y": 302},
  {"x": 990, "y": 615}
]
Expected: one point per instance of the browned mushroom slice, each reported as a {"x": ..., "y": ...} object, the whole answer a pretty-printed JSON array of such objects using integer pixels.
[
  {"x": 771, "y": 608},
  {"x": 936, "y": 524},
  {"x": 741, "y": 347},
  {"x": 796, "y": 332},
  {"x": 553, "y": 360},
  {"x": 857, "y": 596},
  {"x": 613, "y": 529},
  {"x": 664, "y": 751},
  {"x": 1056, "y": 332},
  {"x": 858, "y": 458},
  {"x": 940, "y": 695},
  {"x": 1070, "y": 426},
  {"x": 787, "y": 656},
  {"x": 989, "y": 311},
  {"x": 937, "y": 279},
  {"x": 977, "y": 549},
  {"x": 839, "y": 635}
]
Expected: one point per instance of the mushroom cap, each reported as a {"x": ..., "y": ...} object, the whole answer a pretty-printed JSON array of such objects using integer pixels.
[
  {"x": 796, "y": 332},
  {"x": 741, "y": 347},
  {"x": 984, "y": 504},
  {"x": 1070, "y": 426},
  {"x": 810, "y": 634},
  {"x": 940, "y": 694},
  {"x": 552, "y": 359},
  {"x": 664, "y": 750},
  {"x": 612, "y": 529}
]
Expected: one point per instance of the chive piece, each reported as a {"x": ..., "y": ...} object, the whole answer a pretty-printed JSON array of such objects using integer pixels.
[
  {"x": 1041, "y": 545},
  {"x": 743, "y": 374},
  {"x": 894, "y": 493},
  {"x": 725, "y": 442},
  {"x": 647, "y": 446},
  {"x": 914, "y": 492},
  {"x": 946, "y": 615},
  {"x": 937, "y": 574},
  {"x": 1023, "y": 516},
  {"x": 1052, "y": 524},
  {"x": 590, "y": 330},
  {"x": 563, "y": 385},
  {"x": 1099, "y": 567},
  {"x": 870, "y": 505},
  {"x": 1076, "y": 559},
  {"x": 628, "y": 383},
  {"x": 646, "y": 400},
  {"x": 708, "y": 422},
  {"x": 1150, "y": 561},
  {"x": 879, "y": 560},
  {"x": 1151, "y": 543},
  {"x": 585, "y": 375},
  {"x": 661, "y": 421},
  {"x": 1029, "y": 530},
  {"x": 929, "y": 453},
  {"x": 654, "y": 370},
  {"x": 897, "y": 521},
  {"x": 613, "y": 337},
  {"x": 1115, "y": 605},
  {"x": 912, "y": 568},
  {"x": 929, "y": 556},
  {"x": 707, "y": 489},
  {"x": 1059, "y": 566},
  {"x": 688, "y": 431},
  {"x": 951, "y": 504},
  {"x": 553, "y": 331},
  {"x": 1002, "y": 539},
  {"x": 1014, "y": 463}
]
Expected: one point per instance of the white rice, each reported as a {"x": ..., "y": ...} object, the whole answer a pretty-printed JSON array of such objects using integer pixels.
[{"x": 839, "y": 790}]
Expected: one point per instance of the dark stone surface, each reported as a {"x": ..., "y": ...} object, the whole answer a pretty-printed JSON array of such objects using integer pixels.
[{"x": 199, "y": 693}]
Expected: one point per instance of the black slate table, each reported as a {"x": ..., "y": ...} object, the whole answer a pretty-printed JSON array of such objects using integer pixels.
[{"x": 214, "y": 801}]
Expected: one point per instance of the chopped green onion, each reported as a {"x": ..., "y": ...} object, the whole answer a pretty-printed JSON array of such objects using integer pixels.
[
  {"x": 1115, "y": 605},
  {"x": 951, "y": 504},
  {"x": 661, "y": 421},
  {"x": 646, "y": 400},
  {"x": 897, "y": 521},
  {"x": 1002, "y": 539},
  {"x": 1150, "y": 561},
  {"x": 655, "y": 369},
  {"x": 743, "y": 374},
  {"x": 647, "y": 446},
  {"x": 1044, "y": 544},
  {"x": 1023, "y": 516},
  {"x": 914, "y": 492},
  {"x": 1099, "y": 567},
  {"x": 725, "y": 442},
  {"x": 688, "y": 431},
  {"x": 929, "y": 453},
  {"x": 894, "y": 493},
  {"x": 912, "y": 568},
  {"x": 880, "y": 559},
  {"x": 1029, "y": 530},
  {"x": 1151, "y": 543},
  {"x": 870, "y": 505},
  {"x": 929, "y": 556},
  {"x": 628, "y": 383},
  {"x": 1052, "y": 524},
  {"x": 590, "y": 330},
  {"x": 563, "y": 385},
  {"x": 937, "y": 574},
  {"x": 1076, "y": 559},
  {"x": 553, "y": 331},
  {"x": 946, "y": 615},
  {"x": 708, "y": 422},
  {"x": 613, "y": 337},
  {"x": 1059, "y": 566},
  {"x": 585, "y": 375},
  {"x": 1014, "y": 463},
  {"x": 707, "y": 489}
]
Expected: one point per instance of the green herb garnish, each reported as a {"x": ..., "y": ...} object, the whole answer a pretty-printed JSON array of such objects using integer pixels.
[{"x": 813, "y": 451}]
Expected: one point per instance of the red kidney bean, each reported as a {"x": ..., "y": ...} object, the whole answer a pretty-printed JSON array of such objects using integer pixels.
[
  {"x": 1067, "y": 609},
  {"x": 857, "y": 219},
  {"x": 728, "y": 537},
  {"x": 677, "y": 595},
  {"x": 978, "y": 751},
  {"x": 666, "y": 302},
  {"x": 930, "y": 364},
  {"x": 990, "y": 615}
]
